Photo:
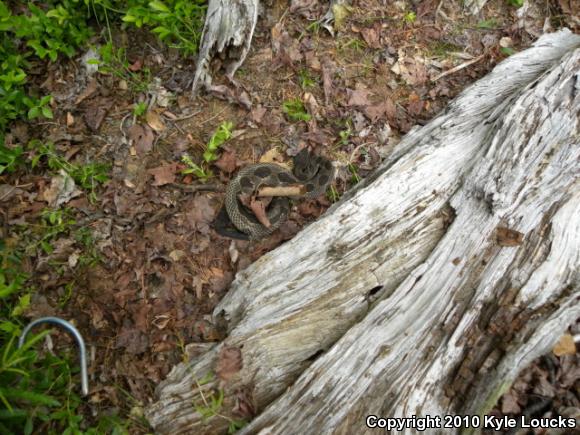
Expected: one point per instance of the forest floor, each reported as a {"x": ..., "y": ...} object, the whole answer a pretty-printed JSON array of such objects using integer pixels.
[{"x": 135, "y": 262}]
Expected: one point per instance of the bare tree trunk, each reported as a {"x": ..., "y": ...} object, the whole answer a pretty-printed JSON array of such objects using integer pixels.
[
  {"x": 429, "y": 287},
  {"x": 228, "y": 30}
]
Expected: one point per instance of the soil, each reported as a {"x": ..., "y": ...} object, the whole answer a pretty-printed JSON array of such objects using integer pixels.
[{"x": 146, "y": 305}]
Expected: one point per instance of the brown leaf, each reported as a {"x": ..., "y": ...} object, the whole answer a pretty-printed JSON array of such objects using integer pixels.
[
  {"x": 227, "y": 161},
  {"x": 257, "y": 114},
  {"x": 272, "y": 156},
  {"x": 154, "y": 121},
  {"x": 506, "y": 237},
  {"x": 358, "y": 97},
  {"x": 95, "y": 114},
  {"x": 311, "y": 104},
  {"x": 245, "y": 407},
  {"x": 133, "y": 340},
  {"x": 412, "y": 70},
  {"x": 415, "y": 106},
  {"x": 70, "y": 119},
  {"x": 565, "y": 346},
  {"x": 89, "y": 91},
  {"x": 259, "y": 209},
  {"x": 62, "y": 189},
  {"x": 385, "y": 109},
  {"x": 201, "y": 214},
  {"x": 371, "y": 37},
  {"x": 509, "y": 403},
  {"x": 229, "y": 362},
  {"x": 163, "y": 174},
  {"x": 142, "y": 138}
]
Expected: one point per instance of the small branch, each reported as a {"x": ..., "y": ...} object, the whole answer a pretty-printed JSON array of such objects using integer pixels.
[
  {"x": 458, "y": 67},
  {"x": 291, "y": 190}
]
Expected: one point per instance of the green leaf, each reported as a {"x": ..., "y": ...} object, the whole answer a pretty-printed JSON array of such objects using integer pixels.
[
  {"x": 163, "y": 32},
  {"x": 129, "y": 18},
  {"x": 159, "y": 6},
  {"x": 33, "y": 113},
  {"x": 23, "y": 303},
  {"x": 46, "y": 112}
]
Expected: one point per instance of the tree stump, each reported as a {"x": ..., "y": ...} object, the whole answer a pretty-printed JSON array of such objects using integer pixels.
[{"x": 429, "y": 286}]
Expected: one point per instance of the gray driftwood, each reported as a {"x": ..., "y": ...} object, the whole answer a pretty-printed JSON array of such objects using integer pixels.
[
  {"x": 227, "y": 32},
  {"x": 429, "y": 287}
]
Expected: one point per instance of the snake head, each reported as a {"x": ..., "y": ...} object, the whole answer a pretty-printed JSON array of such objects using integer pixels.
[{"x": 306, "y": 165}]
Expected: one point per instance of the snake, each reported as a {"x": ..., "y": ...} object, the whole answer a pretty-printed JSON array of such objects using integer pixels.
[{"x": 313, "y": 171}]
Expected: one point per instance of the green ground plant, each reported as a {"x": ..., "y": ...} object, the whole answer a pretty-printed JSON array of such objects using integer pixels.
[
  {"x": 222, "y": 134},
  {"x": 295, "y": 110}
]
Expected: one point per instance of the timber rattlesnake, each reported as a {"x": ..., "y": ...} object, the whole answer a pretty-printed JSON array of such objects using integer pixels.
[{"x": 314, "y": 172}]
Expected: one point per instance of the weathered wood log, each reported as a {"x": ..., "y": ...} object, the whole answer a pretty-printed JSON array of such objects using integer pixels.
[
  {"x": 440, "y": 277},
  {"x": 228, "y": 30}
]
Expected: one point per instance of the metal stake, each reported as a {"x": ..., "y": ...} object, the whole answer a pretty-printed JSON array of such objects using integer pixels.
[{"x": 78, "y": 337}]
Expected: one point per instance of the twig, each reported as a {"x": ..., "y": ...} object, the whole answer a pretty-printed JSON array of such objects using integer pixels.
[
  {"x": 181, "y": 118},
  {"x": 212, "y": 117},
  {"x": 291, "y": 190},
  {"x": 458, "y": 67},
  {"x": 199, "y": 187}
]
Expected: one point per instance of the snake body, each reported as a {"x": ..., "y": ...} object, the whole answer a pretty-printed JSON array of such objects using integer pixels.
[{"x": 314, "y": 172}]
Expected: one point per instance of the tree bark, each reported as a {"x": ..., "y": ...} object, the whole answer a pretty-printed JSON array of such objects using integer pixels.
[{"x": 429, "y": 286}]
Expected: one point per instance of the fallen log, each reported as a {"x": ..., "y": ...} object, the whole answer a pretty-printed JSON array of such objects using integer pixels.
[{"x": 429, "y": 286}]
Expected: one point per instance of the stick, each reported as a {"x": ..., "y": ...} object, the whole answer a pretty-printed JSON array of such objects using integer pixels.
[{"x": 291, "y": 190}]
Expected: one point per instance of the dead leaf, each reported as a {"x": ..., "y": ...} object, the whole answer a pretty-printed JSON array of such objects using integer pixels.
[
  {"x": 227, "y": 161},
  {"x": 412, "y": 70},
  {"x": 509, "y": 403},
  {"x": 62, "y": 189},
  {"x": 154, "y": 121},
  {"x": 161, "y": 321},
  {"x": 142, "y": 138},
  {"x": 507, "y": 237},
  {"x": 176, "y": 254},
  {"x": 164, "y": 174},
  {"x": 257, "y": 114},
  {"x": 415, "y": 105},
  {"x": 311, "y": 104},
  {"x": 201, "y": 214},
  {"x": 133, "y": 340},
  {"x": 565, "y": 346},
  {"x": 383, "y": 110},
  {"x": 229, "y": 362},
  {"x": 258, "y": 207},
  {"x": 95, "y": 113},
  {"x": 70, "y": 119},
  {"x": 358, "y": 97},
  {"x": 245, "y": 407},
  {"x": 88, "y": 92},
  {"x": 273, "y": 155},
  {"x": 371, "y": 37}
]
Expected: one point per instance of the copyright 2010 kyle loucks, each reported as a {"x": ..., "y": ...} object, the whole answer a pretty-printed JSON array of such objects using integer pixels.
[{"x": 467, "y": 421}]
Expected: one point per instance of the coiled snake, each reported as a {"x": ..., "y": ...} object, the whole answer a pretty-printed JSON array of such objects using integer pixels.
[{"x": 314, "y": 172}]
